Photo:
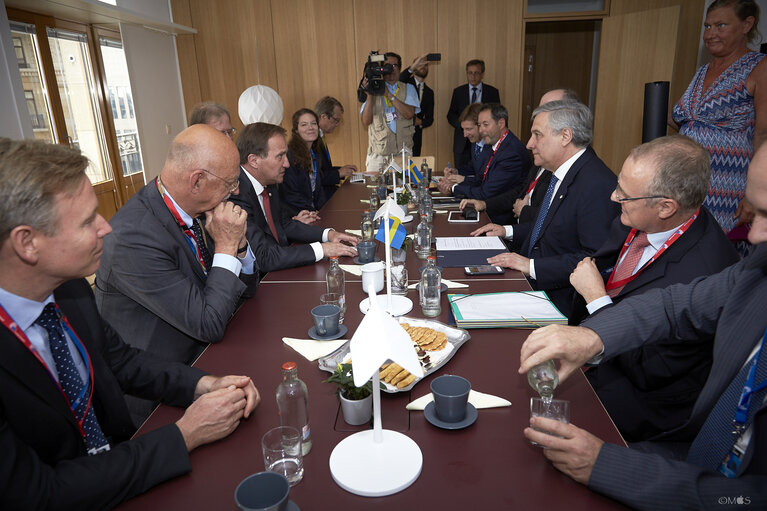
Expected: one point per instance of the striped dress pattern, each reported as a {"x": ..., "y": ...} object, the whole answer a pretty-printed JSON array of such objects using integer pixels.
[{"x": 722, "y": 120}]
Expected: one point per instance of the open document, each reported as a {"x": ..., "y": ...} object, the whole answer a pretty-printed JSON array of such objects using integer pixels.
[
  {"x": 456, "y": 252},
  {"x": 525, "y": 309}
]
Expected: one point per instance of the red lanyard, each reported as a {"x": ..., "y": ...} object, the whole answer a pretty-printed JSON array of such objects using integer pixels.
[
  {"x": 677, "y": 234},
  {"x": 498, "y": 145},
  {"x": 535, "y": 181},
  {"x": 11, "y": 325},
  {"x": 191, "y": 239}
]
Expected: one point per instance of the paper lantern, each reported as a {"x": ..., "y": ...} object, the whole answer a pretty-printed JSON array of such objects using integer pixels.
[{"x": 260, "y": 103}]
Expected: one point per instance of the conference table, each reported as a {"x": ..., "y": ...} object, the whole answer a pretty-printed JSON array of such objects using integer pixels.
[{"x": 487, "y": 465}]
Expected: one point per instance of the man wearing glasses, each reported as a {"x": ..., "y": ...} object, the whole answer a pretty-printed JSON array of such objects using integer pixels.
[
  {"x": 330, "y": 113},
  {"x": 663, "y": 236},
  {"x": 178, "y": 264},
  {"x": 214, "y": 115}
]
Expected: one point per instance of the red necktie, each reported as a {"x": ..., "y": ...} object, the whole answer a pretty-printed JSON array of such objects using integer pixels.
[
  {"x": 626, "y": 267},
  {"x": 268, "y": 213}
]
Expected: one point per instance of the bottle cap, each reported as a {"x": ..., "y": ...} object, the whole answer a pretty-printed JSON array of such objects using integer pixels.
[
  {"x": 333, "y": 257},
  {"x": 289, "y": 366},
  {"x": 431, "y": 258},
  {"x": 366, "y": 211}
]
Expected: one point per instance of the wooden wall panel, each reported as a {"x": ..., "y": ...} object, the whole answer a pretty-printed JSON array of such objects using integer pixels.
[
  {"x": 187, "y": 55},
  {"x": 316, "y": 57},
  {"x": 635, "y": 49},
  {"x": 690, "y": 29},
  {"x": 491, "y": 30}
]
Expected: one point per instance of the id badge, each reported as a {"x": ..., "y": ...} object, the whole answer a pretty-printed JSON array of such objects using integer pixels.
[{"x": 391, "y": 117}]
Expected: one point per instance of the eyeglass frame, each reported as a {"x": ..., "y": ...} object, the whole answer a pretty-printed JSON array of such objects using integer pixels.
[
  {"x": 621, "y": 200},
  {"x": 231, "y": 132},
  {"x": 232, "y": 187}
]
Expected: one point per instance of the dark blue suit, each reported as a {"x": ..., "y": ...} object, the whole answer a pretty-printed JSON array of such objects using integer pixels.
[
  {"x": 296, "y": 189},
  {"x": 458, "y": 102},
  {"x": 575, "y": 226},
  {"x": 653, "y": 388},
  {"x": 507, "y": 170}
]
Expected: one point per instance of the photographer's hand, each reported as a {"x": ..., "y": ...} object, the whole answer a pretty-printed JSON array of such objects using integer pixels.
[{"x": 367, "y": 109}]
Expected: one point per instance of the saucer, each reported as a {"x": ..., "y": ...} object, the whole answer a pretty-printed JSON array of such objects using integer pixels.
[
  {"x": 376, "y": 259},
  {"x": 341, "y": 332},
  {"x": 400, "y": 304},
  {"x": 431, "y": 416},
  {"x": 442, "y": 287}
]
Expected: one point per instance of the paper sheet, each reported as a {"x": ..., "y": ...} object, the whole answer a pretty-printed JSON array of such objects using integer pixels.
[{"x": 470, "y": 243}]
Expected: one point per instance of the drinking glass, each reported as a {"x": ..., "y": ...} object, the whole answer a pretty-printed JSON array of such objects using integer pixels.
[
  {"x": 334, "y": 299},
  {"x": 282, "y": 453},
  {"x": 398, "y": 279}
]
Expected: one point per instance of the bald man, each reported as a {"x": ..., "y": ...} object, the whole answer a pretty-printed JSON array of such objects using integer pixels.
[{"x": 177, "y": 263}]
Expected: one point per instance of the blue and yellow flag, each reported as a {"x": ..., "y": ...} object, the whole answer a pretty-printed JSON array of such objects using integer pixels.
[
  {"x": 415, "y": 174},
  {"x": 397, "y": 233}
]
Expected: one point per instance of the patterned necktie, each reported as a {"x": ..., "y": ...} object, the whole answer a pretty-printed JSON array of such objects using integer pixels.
[
  {"x": 268, "y": 214},
  {"x": 473, "y": 94},
  {"x": 715, "y": 439},
  {"x": 69, "y": 378},
  {"x": 477, "y": 150},
  {"x": 542, "y": 215},
  {"x": 204, "y": 252},
  {"x": 626, "y": 267}
]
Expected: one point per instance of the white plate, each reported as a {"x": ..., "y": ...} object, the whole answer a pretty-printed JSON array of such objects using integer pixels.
[{"x": 400, "y": 304}]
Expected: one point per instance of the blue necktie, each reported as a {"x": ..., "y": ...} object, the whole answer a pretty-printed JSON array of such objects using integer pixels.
[
  {"x": 204, "y": 252},
  {"x": 542, "y": 215},
  {"x": 477, "y": 150},
  {"x": 69, "y": 377},
  {"x": 716, "y": 439},
  {"x": 473, "y": 94}
]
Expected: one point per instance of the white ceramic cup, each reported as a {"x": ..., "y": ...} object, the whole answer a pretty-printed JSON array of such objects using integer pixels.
[{"x": 373, "y": 273}]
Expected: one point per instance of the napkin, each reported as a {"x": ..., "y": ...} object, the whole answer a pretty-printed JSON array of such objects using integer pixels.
[
  {"x": 365, "y": 201},
  {"x": 478, "y": 399},
  {"x": 356, "y": 232},
  {"x": 440, "y": 211},
  {"x": 351, "y": 268},
  {"x": 311, "y": 349},
  {"x": 449, "y": 283}
]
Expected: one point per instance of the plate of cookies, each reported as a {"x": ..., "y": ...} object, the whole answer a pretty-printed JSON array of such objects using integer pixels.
[{"x": 434, "y": 342}]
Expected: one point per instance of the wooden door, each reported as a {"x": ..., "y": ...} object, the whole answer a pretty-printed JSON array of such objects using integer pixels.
[{"x": 634, "y": 49}]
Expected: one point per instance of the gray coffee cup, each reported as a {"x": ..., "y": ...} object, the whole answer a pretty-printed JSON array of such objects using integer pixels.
[
  {"x": 451, "y": 393},
  {"x": 366, "y": 251},
  {"x": 326, "y": 319},
  {"x": 265, "y": 491}
]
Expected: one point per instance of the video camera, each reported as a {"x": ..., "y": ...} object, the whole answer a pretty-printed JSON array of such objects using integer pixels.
[{"x": 375, "y": 69}]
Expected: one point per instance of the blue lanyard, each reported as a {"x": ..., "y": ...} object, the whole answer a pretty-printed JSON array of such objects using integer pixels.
[
  {"x": 314, "y": 166},
  {"x": 744, "y": 403}
]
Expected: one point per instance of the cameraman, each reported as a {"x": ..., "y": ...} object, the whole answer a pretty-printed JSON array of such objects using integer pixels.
[{"x": 389, "y": 117}]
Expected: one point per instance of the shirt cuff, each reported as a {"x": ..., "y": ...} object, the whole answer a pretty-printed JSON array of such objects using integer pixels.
[
  {"x": 596, "y": 359},
  {"x": 227, "y": 262},
  {"x": 509, "y": 231},
  {"x": 325, "y": 235},
  {"x": 595, "y": 305},
  {"x": 318, "y": 252},
  {"x": 452, "y": 188},
  {"x": 532, "y": 269}
]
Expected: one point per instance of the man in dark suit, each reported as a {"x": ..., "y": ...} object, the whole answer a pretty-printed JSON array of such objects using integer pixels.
[
  {"x": 263, "y": 161},
  {"x": 726, "y": 463},
  {"x": 504, "y": 159},
  {"x": 416, "y": 75},
  {"x": 521, "y": 205},
  {"x": 161, "y": 285},
  {"x": 576, "y": 218},
  {"x": 59, "y": 452},
  {"x": 330, "y": 113},
  {"x": 475, "y": 91},
  {"x": 653, "y": 388}
]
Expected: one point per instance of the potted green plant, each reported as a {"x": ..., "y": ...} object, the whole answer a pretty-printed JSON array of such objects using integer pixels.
[{"x": 356, "y": 402}]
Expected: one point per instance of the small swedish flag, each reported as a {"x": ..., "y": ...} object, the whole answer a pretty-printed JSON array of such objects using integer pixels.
[
  {"x": 397, "y": 233},
  {"x": 415, "y": 174}
]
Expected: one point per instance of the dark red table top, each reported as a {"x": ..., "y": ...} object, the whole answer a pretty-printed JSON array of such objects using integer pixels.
[{"x": 489, "y": 464}]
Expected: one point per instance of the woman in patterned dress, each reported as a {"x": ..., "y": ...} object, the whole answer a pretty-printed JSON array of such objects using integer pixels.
[{"x": 725, "y": 104}]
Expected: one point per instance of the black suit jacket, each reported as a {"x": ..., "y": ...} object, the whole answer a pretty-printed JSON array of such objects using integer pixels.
[
  {"x": 507, "y": 170},
  {"x": 330, "y": 175},
  {"x": 653, "y": 388},
  {"x": 458, "y": 102},
  {"x": 427, "y": 110},
  {"x": 274, "y": 254},
  {"x": 500, "y": 208},
  {"x": 296, "y": 189},
  {"x": 576, "y": 225},
  {"x": 44, "y": 463}
]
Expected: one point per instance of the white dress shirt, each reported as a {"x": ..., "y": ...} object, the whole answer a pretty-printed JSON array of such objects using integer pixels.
[{"x": 316, "y": 245}]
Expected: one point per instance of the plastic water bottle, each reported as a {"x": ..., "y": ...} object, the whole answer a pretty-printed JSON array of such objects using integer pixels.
[
  {"x": 293, "y": 404},
  {"x": 366, "y": 226},
  {"x": 423, "y": 238},
  {"x": 336, "y": 283},
  {"x": 429, "y": 288}
]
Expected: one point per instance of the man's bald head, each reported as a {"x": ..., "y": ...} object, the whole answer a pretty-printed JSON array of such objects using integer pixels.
[{"x": 201, "y": 169}]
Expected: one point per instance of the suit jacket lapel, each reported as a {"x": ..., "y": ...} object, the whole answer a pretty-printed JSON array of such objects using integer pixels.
[
  {"x": 561, "y": 194},
  {"x": 161, "y": 212},
  {"x": 274, "y": 199}
]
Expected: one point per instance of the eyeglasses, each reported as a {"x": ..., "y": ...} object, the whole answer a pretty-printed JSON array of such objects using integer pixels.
[
  {"x": 231, "y": 132},
  {"x": 336, "y": 120},
  {"x": 231, "y": 186},
  {"x": 629, "y": 199}
]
